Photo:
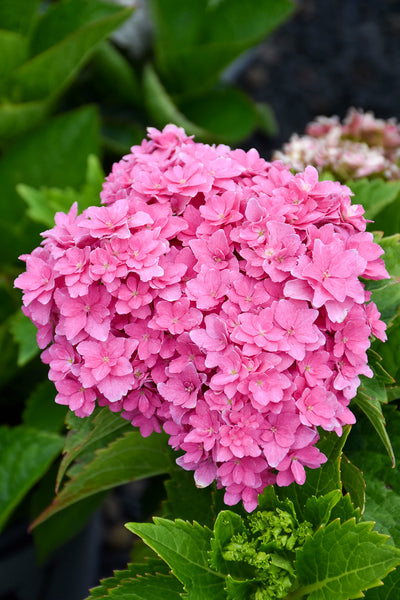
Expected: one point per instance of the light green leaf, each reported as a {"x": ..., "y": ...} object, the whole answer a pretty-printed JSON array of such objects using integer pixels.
[
  {"x": 342, "y": 560},
  {"x": 41, "y": 411},
  {"x": 24, "y": 333},
  {"x": 374, "y": 195},
  {"x": 50, "y": 72},
  {"x": 45, "y": 202},
  {"x": 87, "y": 433},
  {"x": 130, "y": 457},
  {"x": 185, "y": 548},
  {"x": 226, "y": 525},
  {"x": 318, "y": 510},
  {"x": 25, "y": 455}
]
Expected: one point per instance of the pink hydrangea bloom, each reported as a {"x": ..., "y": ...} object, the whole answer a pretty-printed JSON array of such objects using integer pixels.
[
  {"x": 360, "y": 146},
  {"x": 215, "y": 296}
]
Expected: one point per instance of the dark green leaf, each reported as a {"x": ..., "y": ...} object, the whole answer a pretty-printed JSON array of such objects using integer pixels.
[
  {"x": 342, "y": 560},
  {"x": 128, "y": 458},
  {"x": 353, "y": 482},
  {"x": 161, "y": 107},
  {"x": 344, "y": 510},
  {"x": 13, "y": 49},
  {"x": 227, "y": 113},
  {"x": 17, "y": 15},
  {"x": 373, "y": 410},
  {"x": 25, "y": 455},
  {"x": 389, "y": 590},
  {"x": 86, "y": 434},
  {"x": 226, "y": 525},
  {"x": 185, "y": 548},
  {"x": 150, "y": 567},
  {"x": 16, "y": 119},
  {"x": 178, "y": 24},
  {"x": 41, "y": 411},
  {"x": 185, "y": 500},
  {"x": 383, "y": 507}
]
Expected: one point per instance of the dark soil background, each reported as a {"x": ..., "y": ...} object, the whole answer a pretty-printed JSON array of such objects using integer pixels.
[{"x": 331, "y": 55}]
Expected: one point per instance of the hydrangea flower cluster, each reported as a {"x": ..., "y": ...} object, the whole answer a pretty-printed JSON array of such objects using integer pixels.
[
  {"x": 361, "y": 146},
  {"x": 214, "y": 295}
]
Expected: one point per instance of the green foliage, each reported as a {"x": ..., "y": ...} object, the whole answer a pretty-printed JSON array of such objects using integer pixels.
[
  {"x": 127, "y": 458},
  {"x": 25, "y": 455},
  {"x": 338, "y": 563}
]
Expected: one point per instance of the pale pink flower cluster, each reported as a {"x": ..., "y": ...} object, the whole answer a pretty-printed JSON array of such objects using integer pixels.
[
  {"x": 216, "y": 296},
  {"x": 361, "y": 146}
]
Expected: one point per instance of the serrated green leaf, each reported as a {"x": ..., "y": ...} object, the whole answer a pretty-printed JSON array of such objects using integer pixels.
[
  {"x": 226, "y": 525},
  {"x": 353, "y": 482},
  {"x": 240, "y": 589},
  {"x": 49, "y": 72},
  {"x": 227, "y": 113},
  {"x": 41, "y": 412},
  {"x": 318, "y": 510},
  {"x": 25, "y": 455},
  {"x": 63, "y": 144},
  {"x": 319, "y": 481},
  {"x": 130, "y": 457},
  {"x": 24, "y": 334},
  {"x": 154, "y": 587},
  {"x": 185, "y": 548},
  {"x": 151, "y": 567},
  {"x": 344, "y": 510},
  {"x": 389, "y": 590},
  {"x": 342, "y": 560},
  {"x": 383, "y": 507},
  {"x": 86, "y": 433}
]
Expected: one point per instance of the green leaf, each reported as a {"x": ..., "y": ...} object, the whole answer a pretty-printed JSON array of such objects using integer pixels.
[
  {"x": 344, "y": 510},
  {"x": 249, "y": 22},
  {"x": 342, "y": 560},
  {"x": 161, "y": 107},
  {"x": 185, "y": 500},
  {"x": 87, "y": 433},
  {"x": 389, "y": 590},
  {"x": 45, "y": 202},
  {"x": 63, "y": 144},
  {"x": 374, "y": 195},
  {"x": 16, "y": 119},
  {"x": 266, "y": 119},
  {"x": 90, "y": 192},
  {"x": 353, "y": 482},
  {"x": 185, "y": 548},
  {"x": 391, "y": 246},
  {"x": 318, "y": 510},
  {"x": 227, "y": 113},
  {"x": 24, "y": 333},
  {"x": 177, "y": 23},
  {"x": 113, "y": 72},
  {"x": 41, "y": 411},
  {"x": 383, "y": 507},
  {"x": 132, "y": 575},
  {"x": 226, "y": 525},
  {"x": 372, "y": 408},
  {"x": 319, "y": 481},
  {"x": 25, "y": 455},
  {"x": 154, "y": 587},
  {"x": 130, "y": 457},
  {"x": 48, "y": 73},
  {"x": 13, "y": 49},
  {"x": 17, "y": 15}
]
